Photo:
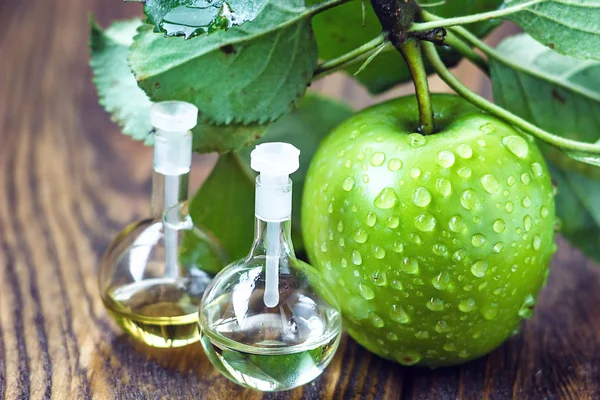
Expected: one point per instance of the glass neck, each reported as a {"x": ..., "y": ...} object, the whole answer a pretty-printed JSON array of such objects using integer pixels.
[
  {"x": 168, "y": 191},
  {"x": 264, "y": 231}
]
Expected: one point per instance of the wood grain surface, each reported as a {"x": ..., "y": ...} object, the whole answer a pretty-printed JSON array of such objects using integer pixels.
[{"x": 69, "y": 181}]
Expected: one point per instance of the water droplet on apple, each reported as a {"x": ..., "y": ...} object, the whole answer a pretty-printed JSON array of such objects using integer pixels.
[
  {"x": 499, "y": 226},
  {"x": 371, "y": 219},
  {"x": 421, "y": 197},
  {"x": 469, "y": 199},
  {"x": 445, "y": 159},
  {"x": 435, "y": 304},
  {"x": 526, "y": 202},
  {"x": 526, "y": 310},
  {"x": 509, "y": 207},
  {"x": 498, "y": 247},
  {"x": 449, "y": 347},
  {"x": 464, "y": 151},
  {"x": 487, "y": 128},
  {"x": 386, "y": 199},
  {"x": 348, "y": 184},
  {"x": 415, "y": 172},
  {"x": 490, "y": 311},
  {"x": 516, "y": 145},
  {"x": 459, "y": 255},
  {"x": 466, "y": 305},
  {"x": 398, "y": 247},
  {"x": 479, "y": 268},
  {"x": 377, "y": 159},
  {"x": 360, "y": 236},
  {"x": 393, "y": 222},
  {"x": 394, "y": 164},
  {"x": 464, "y": 172},
  {"x": 378, "y": 252},
  {"x": 442, "y": 281},
  {"x": 376, "y": 320},
  {"x": 409, "y": 265},
  {"x": 366, "y": 292},
  {"x": 456, "y": 224},
  {"x": 527, "y": 223},
  {"x": 399, "y": 315},
  {"x": 537, "y": 242},
  {"x": 443, "y": 186},
  {"x": 356, "y": 257},
  {"x": 478, "y": 240},
  {"x": 416, "y": 140},
  {"x": 537, "y": 169},
  {"x": 422, "y": 335},
  {"x": 490, "y": 183}
]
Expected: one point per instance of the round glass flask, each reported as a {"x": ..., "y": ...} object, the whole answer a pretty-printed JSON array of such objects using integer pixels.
[
  {"x": 154, "y": 273},
  {"x": 268, "y": 321}
]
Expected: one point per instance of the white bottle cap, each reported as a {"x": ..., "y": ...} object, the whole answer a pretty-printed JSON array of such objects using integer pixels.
[
  {"x": 174, "y": 116},
  {"x": 173, "y": 141},
  {"x": 275, "y": 162}
]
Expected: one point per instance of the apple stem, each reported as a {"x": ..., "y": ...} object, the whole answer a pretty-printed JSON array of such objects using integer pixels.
[{"x": 411, "y": 51}]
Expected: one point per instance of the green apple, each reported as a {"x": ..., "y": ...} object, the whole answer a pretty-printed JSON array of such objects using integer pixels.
[{"x": 438, "y": 245}]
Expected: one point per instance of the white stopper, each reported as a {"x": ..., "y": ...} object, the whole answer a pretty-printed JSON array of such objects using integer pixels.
[
  {"x": 173, "y": 141},
  {"x": 275, "y": 162}
]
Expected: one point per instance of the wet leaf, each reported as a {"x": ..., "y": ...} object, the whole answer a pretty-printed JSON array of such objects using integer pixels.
[
  {"x": 194, "y": 17},
  {"x": 250, "y": 74}
]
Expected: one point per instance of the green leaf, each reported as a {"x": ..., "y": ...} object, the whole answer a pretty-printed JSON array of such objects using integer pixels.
[
  {"x": 570, "y": 27},
  {"x": 129, "y": 106},
  {"x": 339, "y": 30},
  {"x": 253, "y": 73},
  {"x": 225, "y": 203},
  {"x": 562, "y": 95},
  {"x": 193, "y": 17},
  {"x": 118, "y": 91},
  {"x": 223, "y": 139},
  {"x": 555, "y": 92},
  {"x": 199, "y": 247}
]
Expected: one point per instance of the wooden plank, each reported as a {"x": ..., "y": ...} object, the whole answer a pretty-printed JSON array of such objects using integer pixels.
[{"x": 70, "y": 181}]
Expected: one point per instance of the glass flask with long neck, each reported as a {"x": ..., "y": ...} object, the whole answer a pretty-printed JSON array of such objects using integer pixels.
[
  {"x": 151, "y": 278},
  {"x": 267, "y": 321}
]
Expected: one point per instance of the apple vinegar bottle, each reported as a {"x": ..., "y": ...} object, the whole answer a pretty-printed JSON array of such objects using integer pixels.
[
  {"x": 148, "y": 282},
  {"x": 268, "y": 321}
]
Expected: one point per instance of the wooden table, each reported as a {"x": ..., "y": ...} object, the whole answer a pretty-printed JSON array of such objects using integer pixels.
[{"x": 69, "y": 181}]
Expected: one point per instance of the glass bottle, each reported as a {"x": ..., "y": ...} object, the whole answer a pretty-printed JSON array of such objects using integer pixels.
[
  {"x": 268, "y": 322},
  {"x": 149, "y": 280}
]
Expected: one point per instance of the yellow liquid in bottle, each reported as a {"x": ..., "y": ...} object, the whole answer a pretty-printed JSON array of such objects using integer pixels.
[{"x": 158, "y": 312}]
